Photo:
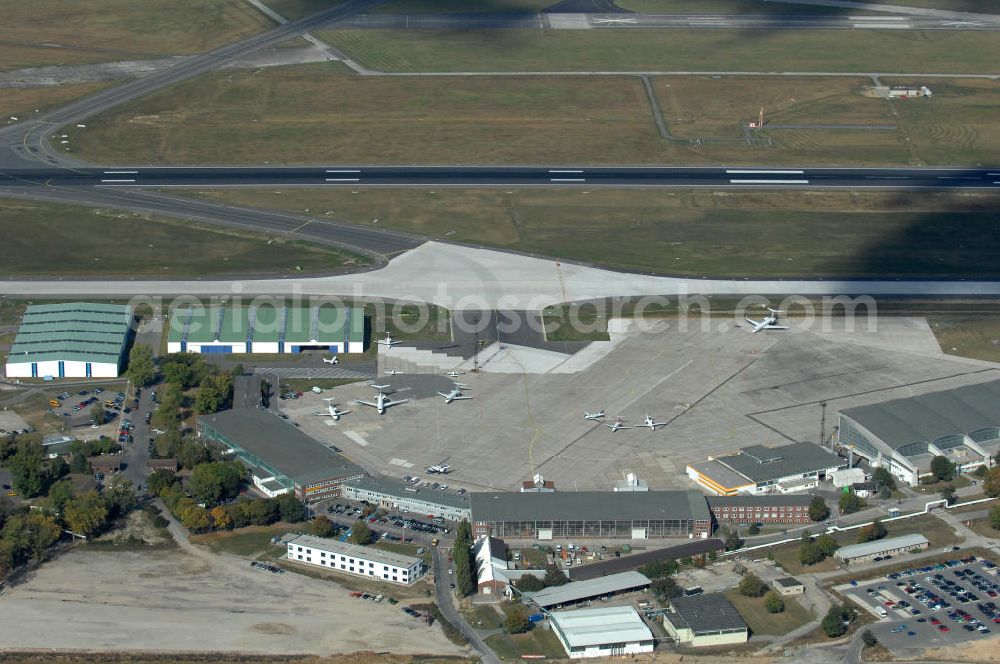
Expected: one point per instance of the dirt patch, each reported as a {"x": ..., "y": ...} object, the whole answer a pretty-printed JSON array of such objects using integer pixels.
[
  {"x": 273, "y": 628},
  {"x": 981, "y": 650},
  {"x": 136, "y": 528}
]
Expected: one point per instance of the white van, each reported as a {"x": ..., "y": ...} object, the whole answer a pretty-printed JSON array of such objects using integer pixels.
[{"x": 880, "y": 610}]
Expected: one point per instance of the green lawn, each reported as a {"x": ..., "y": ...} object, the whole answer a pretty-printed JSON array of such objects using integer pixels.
[
  {"x": 483, "y": 616},
  {"x": 977, "y": 337},
  {"x": 354, "y": 583},
  {"x": 539, "y": 641},
  {"x": 460, "y": 6},
  {"x": 57, "y": 32},
  {"x": 295, "y": 9},
  {"x": 670, "y": 50},
  {"x": 249, "y": 542},
  {"x": 936, "y": 487},
  {"x": 48, "y": 239},
  {"x": 763, "y": 623},
  {"x": 781, "y": 234}
]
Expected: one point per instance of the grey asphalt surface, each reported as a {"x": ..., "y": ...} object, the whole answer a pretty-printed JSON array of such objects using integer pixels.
[{"x": 444, "y": 599}]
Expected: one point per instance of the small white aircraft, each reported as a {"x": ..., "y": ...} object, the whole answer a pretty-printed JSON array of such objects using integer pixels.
[
  {"x": 651, "y": 423},
  {"x": 388, "y": 342},
  {"x": 594, "y": 417},
  {"x": 439, "y": 469},
  {"x": 332, "y": 411},
  {"x": 454, "y": 395},
  {"x": 454, "y": 373},
  {"x": 393, "y": 372},
  {"x": 618, "y": 424},
  {"x": 769, "y": 322},
  {"x": 332, "y": 360},
  {"x": 382, "y": 401}
]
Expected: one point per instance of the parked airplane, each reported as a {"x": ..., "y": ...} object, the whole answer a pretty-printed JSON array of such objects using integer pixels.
[
  {"x": 651, "y": 423},
  {"x": 454, "y": 395},
  {"x": 594, "y": 417},
  {"x": 770, "y": 322},
  {"x": 439, "y": 469},
  {"x": 332, "y": 410},
  {"x": 393, "y": 372},
  {"x": 454, "y": 373},
  {"x": 382, "y": 401},
  {"x": 618, "y": 425},
  {"x": 332, "y": 360},
  {"x": 388, "y": 342}
]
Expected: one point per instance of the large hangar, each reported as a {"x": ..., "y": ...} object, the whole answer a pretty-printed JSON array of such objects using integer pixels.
[
  {"x": 266, "y": 328},
  {"x": 71, "y": 340},
  {"x": 903, "y": 435}
]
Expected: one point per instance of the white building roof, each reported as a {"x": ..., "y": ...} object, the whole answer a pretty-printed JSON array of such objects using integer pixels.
[
  {"x": 594, "y": 627},
  {"x": 580, "y": 590},
  {"x": 878, "y": 546},
  {"x": 848, "y": 477},
  {"x": 355, "y": 551}
]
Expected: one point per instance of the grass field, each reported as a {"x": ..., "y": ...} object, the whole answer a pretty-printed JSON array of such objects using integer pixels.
[
  {"x": 936, "y": 487},
  {"x": 22, "y": 102},
  {"x": 352, "y": 582},
  {"x": 482, "y": 616},
  {"x": 460, "y": 6},
  {"x": 784, "y": 234},
  {"x": 773, "y": 624},
  {"x": 983, "y": 527},
  {"x": 512, "y": 647},
  {"x": 249, "y": 542},
  {"x": 723, "y": 7},
  {"x": 235, "y": 117},
  {"x": 294, "y": 9},
  {"x": 886, "y": 51},
  {"x": 977, "y": 337},
  {"x": 54, "y": 32},
  {"x": 63, "y": 240}
]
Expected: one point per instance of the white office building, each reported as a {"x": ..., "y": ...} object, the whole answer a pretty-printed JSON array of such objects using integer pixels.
[
  {"x": 611, "y": 631},
  {"x": 355, "y": 559},
  {"x": 403, "y": 496}
]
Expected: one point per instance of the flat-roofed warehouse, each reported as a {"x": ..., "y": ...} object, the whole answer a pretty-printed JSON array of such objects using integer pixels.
[
  {"x": 266, "y": 328},
  {"x": 281, "y": 458},
  {"x": 398, "y": 495},
  {"x": 582, "y": 591},
  {"x": 705, "y": 620},
  {"x": 883, "y": 547},
  {"x": 609, "y": 631},
  {"x": 903, "y": 435},
  {"x": 591, "y": 515},
  {"x": 757, "y": 469},
  {"x": 71, "y": 340}
]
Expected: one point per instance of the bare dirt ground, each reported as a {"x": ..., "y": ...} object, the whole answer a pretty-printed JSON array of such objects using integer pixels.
[
  {"x": 974, "y": 651},
  {"x": 172, "y": 601}
]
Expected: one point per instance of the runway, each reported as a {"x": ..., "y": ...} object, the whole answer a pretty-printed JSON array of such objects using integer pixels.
[{"x": 508, "y": 176}]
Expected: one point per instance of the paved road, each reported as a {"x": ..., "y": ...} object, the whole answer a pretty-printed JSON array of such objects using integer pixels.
[
  {"x": 445, "y": 601},
  {"x": 121, "y": 177}
]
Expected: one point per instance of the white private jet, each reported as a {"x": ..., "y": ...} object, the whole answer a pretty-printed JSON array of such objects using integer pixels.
[
  {"x": 651, "y": 423},
  {"x": 454, "y": 373},
  {"x": 594, "y": 417},
  {"x": 454, "y": 395},
  {"x": 332, "y": 411},
  {"x": 393, "y": 372},
  {"x": 769, "y": 322},
  {"x": 439, "y": 469},
  {"x": 382, "y": 401},
  {"x": 388, "y": 342},
  {"x": 617, "y": 425},
  {"x": 332, "y": 360}
]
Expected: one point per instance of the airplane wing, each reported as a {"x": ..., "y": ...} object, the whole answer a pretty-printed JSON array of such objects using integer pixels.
[
  {"x": 443, "y": 394},
  {"x": 461, "y": 397},
  {"x": 394, "y": 403},
  {"x": 366, "y": 403},
  {"x": 776, "y": 327}
]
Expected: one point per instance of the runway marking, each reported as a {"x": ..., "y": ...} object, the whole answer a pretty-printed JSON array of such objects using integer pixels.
[
  {"x": 356, "y": 437},
  {"x": 769, "y": 182},
  {"x": 887, "y": 177},
  {"x": 349, "y": 170},
  {"x": 567, "y": 180},
  {"x": 343, "y": 179},
  {"x": 883, "y": 26},
  {"x": 114, "y": 181},
  {"x": 121, "y": 172},
  {"x": 878, "y": 18},
  {"x": 301, "y": 226},
  {"x": 749, "y": 171},
  {"x": 400, "y": 462},
  {"x": 565, "y": 171}
]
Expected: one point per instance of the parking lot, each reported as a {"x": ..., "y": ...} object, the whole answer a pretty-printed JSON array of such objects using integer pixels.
[
  {"x": 932, "y": 606},
  {"x": 393, "y": 526}
]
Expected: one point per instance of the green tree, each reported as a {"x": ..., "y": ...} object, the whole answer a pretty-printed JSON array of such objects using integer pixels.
[
  {"x": 733, "y": 540},
  {"x": 818, "y": 511},
  {"x": 26, "y": 470},
  {"x": 59, "y": 493},
  {"x": 160, "y": 480},
  {"x": 171, "y": 402},
  {"x": 97, "y": 414},
  {"x": 883, "y": 478},
  {"x": 773, "y": 603},
  {"x": 322, "y": 527},
  {"x": 942, "y": 469},
  {"x": 214, "y": 482},
  {"x": 851, "y": 503},
  {"x": 215, "y": 393},
  {"x": 885, "y": 493},
  {"x": 141, "y": 369},
  {"x": 220, "y": 518},
  {"x": 991, "y": 482},
  {"x": 361, "y": 533},
  {"x": 826, "y": 544},
  {"x": 751, "y": 585},
  {"x": 529, "y": 583},
  {"x": 834, "y": 623},
  {"x": 290, "y": 508},
  {"x": 810, "y": 553},
  {"x": 194, "y": 518},
  {"x": 659, "y": 568},
  {"x": 185, "y": 370},
  {"x": 949, "y": 495},
  {"x": 516, "y": 621},
  {"x": 873, "y": 531},
  {"x": 754, "y": 529},
  {"x": 121, "y": 497},
  {"x": 86, "y": 514},
  {"x": 27, "y": 535},
  {"x": 995, "y": 518},
  {"x": 665, "y": 588},
  {"x": 554, "y": 576},
  {"x": 869, "y": 639}
]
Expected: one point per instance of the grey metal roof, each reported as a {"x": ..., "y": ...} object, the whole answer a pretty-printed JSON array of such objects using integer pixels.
[
  {"x": 296, "y": 455},
  {"x": 927, "y": 417},
  {"x": 766, "y": 464},
  {"x": 880, "y": 546},
  {"x": 576, "y": 591},
  {"x": 406, "y": 491},
  {"x": 706, "y": 613},
  {"x": 788, "y": 582},
  {"x": 355, "y": 550},
  {"x": 637, "y": 560},
  {"x": 775, "y": 500},
  {"x": 601, "y": 626},
  {"x": 589, "y": 506}
]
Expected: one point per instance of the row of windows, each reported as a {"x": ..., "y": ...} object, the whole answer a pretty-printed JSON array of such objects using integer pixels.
[
  {"x": 350, "y": 568},
  {"x": 345, "y": 559}
]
